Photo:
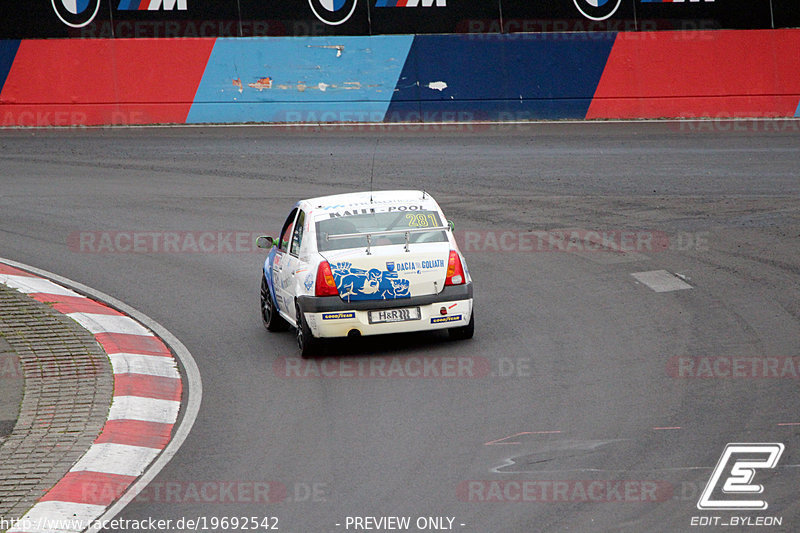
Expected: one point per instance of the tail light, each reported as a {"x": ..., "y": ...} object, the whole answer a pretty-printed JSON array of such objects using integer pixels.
[
  {"x": 455, "y": 272},
  {"x": 326, "y": 285}
]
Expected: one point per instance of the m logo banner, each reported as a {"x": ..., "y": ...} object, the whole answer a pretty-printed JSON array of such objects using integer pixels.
[
  {"x": 152, "y": 5},
  {"x": 739, "y": 463},
  {"x": 76, "y": 13},
  {"x": 411, "y": 3}
]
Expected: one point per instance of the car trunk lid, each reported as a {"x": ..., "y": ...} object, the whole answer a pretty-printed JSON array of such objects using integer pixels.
[{"x": 389, "y": 272}]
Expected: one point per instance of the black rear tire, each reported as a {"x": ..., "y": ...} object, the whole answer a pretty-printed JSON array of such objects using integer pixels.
[
  {"x": 464, "y": 332},
  {"x": 309, "y": 345},
  {"x": 272, "y": 320}
]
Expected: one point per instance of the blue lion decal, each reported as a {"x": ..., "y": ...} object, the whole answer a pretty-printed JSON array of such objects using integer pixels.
[{"x": 372, "y": 284}]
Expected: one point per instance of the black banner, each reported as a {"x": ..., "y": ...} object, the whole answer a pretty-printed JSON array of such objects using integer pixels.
[
  {"x": 245, "y": 18},
  {"x": 308, "y": 17},
  {"x": 434, "y": 16},
  {"x": 166, "y": 18},
  {"x": 720, "y": 14},
  {"x": 45, "y": 19},
  {"x": 786, "y": 13},
  {"x": 523, "y": 16}
]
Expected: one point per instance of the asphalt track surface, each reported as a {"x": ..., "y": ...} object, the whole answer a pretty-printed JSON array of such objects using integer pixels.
[{"x": 578, "y": 385}]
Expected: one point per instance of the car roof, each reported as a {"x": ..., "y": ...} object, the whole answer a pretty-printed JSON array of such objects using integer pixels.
[{"x": 372, "y": 197}]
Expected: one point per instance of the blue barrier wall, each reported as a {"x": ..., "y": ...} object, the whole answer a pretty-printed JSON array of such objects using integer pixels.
[
  {"x": 545, "y": 76},
  {"x": 314, "y": 79}
]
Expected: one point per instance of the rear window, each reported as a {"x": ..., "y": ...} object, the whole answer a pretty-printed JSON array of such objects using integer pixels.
[{"x": 378, "y": 222}]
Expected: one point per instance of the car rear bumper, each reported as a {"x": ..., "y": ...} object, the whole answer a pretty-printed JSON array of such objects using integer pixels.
[{"x": 332, "y": 317}]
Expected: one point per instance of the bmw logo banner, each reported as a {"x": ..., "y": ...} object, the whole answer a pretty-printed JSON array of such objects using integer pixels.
[
  {"x": 313, "y": 18},
  {"x": 76, "y": 13},
  {"x": 597, "y": 9},
  {"x": 333, "y": 12},
  {"x": 248, "y": 18}
]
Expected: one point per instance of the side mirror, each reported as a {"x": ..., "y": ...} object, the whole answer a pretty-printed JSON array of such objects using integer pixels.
[
  {"x": 451, "y": 225},
  {"x": 265, "y": 242}
]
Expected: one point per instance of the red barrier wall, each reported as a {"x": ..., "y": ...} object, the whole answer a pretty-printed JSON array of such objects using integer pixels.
[
  {"x": 747, "y": 73},
  {"x": 105, "y": 81}
]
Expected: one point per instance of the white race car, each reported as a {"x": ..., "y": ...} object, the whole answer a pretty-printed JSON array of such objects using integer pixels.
[{"x": 365, "y": 263}]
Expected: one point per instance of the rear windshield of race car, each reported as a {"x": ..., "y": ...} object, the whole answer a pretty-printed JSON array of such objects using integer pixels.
[{"x": 361, "y": 223}]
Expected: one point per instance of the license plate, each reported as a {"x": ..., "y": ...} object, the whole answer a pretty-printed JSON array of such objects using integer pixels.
[{"x": 394, "y": 315}]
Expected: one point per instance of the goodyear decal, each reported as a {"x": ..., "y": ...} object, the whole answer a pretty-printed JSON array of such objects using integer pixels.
[
  {"x": 443, "y": 319},
  {"x": 338, "y": 316}
]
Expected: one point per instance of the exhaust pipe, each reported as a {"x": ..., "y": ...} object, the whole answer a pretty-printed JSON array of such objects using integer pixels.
[{"x": 354, "y": 333}]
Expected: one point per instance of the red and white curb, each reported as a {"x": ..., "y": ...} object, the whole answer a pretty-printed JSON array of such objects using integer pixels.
[{"x": 143, "y": 413}]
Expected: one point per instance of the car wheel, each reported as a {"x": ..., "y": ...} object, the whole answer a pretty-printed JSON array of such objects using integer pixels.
[
  {"x": 309, "y": 345},
  {"x": 273, "y": 321},
  {"x": 464, "y": 332}
]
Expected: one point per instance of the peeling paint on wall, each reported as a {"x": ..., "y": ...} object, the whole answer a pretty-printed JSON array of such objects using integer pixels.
[
  {"x": 338, "y": 47},
  {"x": 261, "y": 84},
  {"x": 344, "y": 78},
  {"x": 302, "y": 86}
]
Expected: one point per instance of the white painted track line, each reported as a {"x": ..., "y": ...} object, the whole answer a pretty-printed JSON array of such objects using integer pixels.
[
  {"x": 661, "y": 281},
  {"x": 108, "y": 324},
  {"x": 41, "y": 517},
  {"x": 145, "y": 409},
  {"x": 29, "y": 285},
  {"x": 119, "y": 459},
  {"x": 150, "y": 365}
]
